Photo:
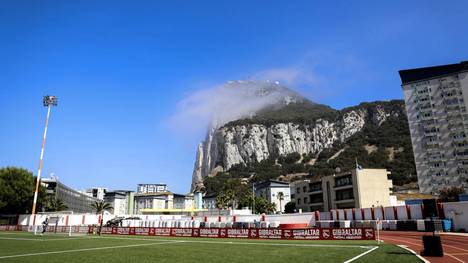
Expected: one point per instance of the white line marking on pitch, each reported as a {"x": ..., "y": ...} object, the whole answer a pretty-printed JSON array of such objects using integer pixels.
[
  {"x": 360, "y": 255},
  {"x": 247, "y": 243},
  {"x": 414, "y": 253},
  {"x": 87, "y": 249},
  {"x": 42, "y": 240}
]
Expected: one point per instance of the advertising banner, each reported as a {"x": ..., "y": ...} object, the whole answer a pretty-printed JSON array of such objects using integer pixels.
[
  {"x": 142, "y": 231},
  {"x": 269, "y": 233},
  {"x": 251, "y": 233},
  {"x": 162, "y": 232},
  {"x": 209, "y": 232},
  {"x": 236, "y": 232},
  {"x": 181, "y": 232},
  {"x": 310, "y": 234}
]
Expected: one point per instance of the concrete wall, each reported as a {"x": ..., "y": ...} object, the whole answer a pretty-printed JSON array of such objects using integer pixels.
[
  {"x": 373, "y": 188},
  {"x": 458, "y": 212}
]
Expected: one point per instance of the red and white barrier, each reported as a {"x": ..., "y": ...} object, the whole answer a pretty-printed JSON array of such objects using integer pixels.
[{"x": 250, "y": 233}]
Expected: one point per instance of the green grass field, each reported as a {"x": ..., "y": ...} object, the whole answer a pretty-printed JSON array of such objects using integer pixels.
[{"x": 25, "y": 247}]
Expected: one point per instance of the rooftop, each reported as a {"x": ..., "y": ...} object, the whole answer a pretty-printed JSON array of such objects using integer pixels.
[{"x": 417, "y": 74}]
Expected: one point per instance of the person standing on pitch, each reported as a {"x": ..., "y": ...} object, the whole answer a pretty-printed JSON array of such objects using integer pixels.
[{"x": 44, "y": 225}]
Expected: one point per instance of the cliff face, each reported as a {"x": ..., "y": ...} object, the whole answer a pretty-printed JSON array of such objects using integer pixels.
[{"x": 254, "y": 140}]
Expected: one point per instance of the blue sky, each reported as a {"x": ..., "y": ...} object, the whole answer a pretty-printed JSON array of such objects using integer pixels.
[{"x": 122, "y": 68}]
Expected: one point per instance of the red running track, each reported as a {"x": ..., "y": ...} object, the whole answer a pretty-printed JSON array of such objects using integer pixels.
[{"x": 455, "y": 246}]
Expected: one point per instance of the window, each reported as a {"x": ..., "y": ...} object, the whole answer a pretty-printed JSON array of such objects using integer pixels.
[
  {"x": 344, "y": 194},
  {"x": 342, "y": 181},
  {"x": 298, "y": 201},
  {"x": 305, "y": 200},
  {"x": 315, "y": 187},
  {"x": 316, "y": 198}
]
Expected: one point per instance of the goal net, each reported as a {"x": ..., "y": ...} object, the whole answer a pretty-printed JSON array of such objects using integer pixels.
[{"x": 56, "y": 223}]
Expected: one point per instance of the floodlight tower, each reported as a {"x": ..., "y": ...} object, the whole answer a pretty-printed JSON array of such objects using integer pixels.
[{"x": 48, "y": 102}]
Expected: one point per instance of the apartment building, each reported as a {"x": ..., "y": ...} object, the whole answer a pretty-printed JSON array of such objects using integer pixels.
[
  {"x": 76, "y": 201},
  {"x": 121, "y": 201},
  {"x": 360, "y": 188},
  {"x": 436, "y": 101}
]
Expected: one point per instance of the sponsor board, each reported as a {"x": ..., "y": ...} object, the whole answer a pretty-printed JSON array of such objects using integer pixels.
[
  {"x": 237, "y": 232},
  {"x": 181, "y": 232},
  {"x": 269, "y": 233},
  {"x": 162, "y": 231},
  {"x": 313, "y": 233},
  {"x": 346, "y": 233},
  {"x": 369, "y": 234},
  {"x": 209, "y": 232},
  {"x": 108, "y": 230},
  {"x": 121, "y": 230},
  {"x": 141, "y": 231},
  {"x": 263, "y": 233}
]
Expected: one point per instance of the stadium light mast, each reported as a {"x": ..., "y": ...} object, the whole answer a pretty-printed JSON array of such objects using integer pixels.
[{"x": 48, "y": 102}]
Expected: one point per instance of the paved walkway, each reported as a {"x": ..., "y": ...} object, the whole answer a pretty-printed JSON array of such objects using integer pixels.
[{"x": 455, "y": 245}]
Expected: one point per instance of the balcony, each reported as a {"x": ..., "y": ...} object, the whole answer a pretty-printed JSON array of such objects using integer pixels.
[
  {"x": 344, "y": 201},
  {"x": 312, "y": 191},
  {"x": 342, "y": 187},
  {"x": 316, "y": 203}
]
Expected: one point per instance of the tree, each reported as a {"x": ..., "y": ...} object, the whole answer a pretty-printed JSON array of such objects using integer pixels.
[
  {"x": 226, "y": 199},
  {"x": 222, "y": 201},
  {"x": 290, "y": 207},
  {"x": 16, "y": 191},
  {"x": 280, "y": 198},
  {"x": 55, "y": 204},
  {"x": 100, "y": 207},
  {"x": 269, "y": 207},
  {"x": 451, "y": 194}
]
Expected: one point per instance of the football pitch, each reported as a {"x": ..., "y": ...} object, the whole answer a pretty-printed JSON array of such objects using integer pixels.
[{"x": 25, "y": 247}]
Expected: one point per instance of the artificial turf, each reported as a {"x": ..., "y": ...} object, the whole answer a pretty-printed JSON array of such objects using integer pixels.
[{"x": 25, "y": 247}]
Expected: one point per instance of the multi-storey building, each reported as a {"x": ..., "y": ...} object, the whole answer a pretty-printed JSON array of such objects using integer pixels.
[
  {"x": 97, "y": 192},
  {"x": 121, "y": 201},
  {"x": 436, "y": 101},
  {"x": 163, "y": 202},
  {"x": 75, "y": 201},
  {"x": 358, "y": 188},
  {"x": 276, "y": 192}
]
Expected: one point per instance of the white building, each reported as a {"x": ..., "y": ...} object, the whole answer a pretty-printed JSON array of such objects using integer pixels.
[
  {"x": 96, "y": 192},
  {"x": 121, "y": 201},
  {"x": 276, "y": 192},
  {"x": 436, "y": 100},
  {"x": 209, "y": 201}
]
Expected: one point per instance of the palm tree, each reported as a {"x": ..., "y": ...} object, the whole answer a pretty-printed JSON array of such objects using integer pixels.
[
  {"x": 280, "y": 198},
  {"x": 231, "y": 198},
  {"x": 270, "y": 207},
  {"x": 100, "y": 207},
  {"x": 222, "y": 201},
  {"x": 56, "y": 205}
]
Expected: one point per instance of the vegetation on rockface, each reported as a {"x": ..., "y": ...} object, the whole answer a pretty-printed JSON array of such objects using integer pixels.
[
  {"x": 304, "y": 112},
  {"x": 392, "y": 150},
  {"x": 376, "y": 146}
]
